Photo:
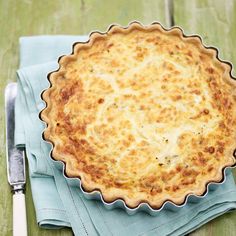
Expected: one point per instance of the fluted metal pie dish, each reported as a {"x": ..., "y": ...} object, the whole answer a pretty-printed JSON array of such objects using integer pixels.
[{"x": 142, "y": 117}]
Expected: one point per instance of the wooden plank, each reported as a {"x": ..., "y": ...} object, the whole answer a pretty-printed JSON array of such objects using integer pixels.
[
  {"x": 26, "y": 17},
  {"x": 215, "y": 21}
]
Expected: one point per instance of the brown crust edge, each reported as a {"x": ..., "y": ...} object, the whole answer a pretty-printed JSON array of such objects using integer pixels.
[{"x": 45, "y": 95}]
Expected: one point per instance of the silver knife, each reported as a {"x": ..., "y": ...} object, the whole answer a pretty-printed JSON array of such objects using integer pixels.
[{"x": 15, "y": 164}]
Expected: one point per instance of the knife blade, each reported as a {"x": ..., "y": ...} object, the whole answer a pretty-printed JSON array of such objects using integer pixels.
[{"x": 15, "y": 164}]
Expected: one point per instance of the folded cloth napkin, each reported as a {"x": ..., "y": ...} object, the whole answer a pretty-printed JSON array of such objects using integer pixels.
[{"x": 58, "y": 203}]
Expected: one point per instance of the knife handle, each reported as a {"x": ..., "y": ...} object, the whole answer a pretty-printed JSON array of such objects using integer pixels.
[{"x": 19, "y": 215}]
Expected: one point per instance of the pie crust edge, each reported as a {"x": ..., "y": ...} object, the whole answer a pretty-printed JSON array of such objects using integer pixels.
[{"x": 69, "y": 166}]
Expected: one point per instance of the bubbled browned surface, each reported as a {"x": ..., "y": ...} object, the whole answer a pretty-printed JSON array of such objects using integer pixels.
[{"x": 143, "y": 115}]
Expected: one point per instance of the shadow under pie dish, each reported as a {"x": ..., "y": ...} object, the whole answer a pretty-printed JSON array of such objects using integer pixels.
[{"x": 142, "y": 115}]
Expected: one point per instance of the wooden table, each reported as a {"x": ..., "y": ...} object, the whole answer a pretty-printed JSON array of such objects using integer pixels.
[{"x": 214, "y": 20}]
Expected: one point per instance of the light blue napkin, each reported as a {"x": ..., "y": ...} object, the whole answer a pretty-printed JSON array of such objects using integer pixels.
[{"x": 58, "y": 204}]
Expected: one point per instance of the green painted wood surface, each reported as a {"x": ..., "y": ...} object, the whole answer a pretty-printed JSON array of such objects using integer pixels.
[
  {"x": 26, "y": 17},
  {"x": 215, "y": 21}
]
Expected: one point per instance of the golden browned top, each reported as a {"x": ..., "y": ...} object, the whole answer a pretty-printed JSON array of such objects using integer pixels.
[{"x": 142, "y": 114}]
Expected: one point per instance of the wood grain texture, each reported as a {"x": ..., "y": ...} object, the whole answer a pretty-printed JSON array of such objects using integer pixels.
[
  {"x": 26, "y": 17},
  {"x": 215, "y": 21}
]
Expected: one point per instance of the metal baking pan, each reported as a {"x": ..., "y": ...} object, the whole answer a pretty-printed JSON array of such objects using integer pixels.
[{"x": 119, "y": 203}]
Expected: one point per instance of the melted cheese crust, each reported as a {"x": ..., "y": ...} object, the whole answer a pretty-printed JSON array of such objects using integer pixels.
[{"x": 142, "y": 114}]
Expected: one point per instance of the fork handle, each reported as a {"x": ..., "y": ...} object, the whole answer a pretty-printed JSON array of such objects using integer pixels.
[{"x": 19, "y": 215}]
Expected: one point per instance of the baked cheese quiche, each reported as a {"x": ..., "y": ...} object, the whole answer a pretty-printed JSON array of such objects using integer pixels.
[{"x": 142, "y": 114}]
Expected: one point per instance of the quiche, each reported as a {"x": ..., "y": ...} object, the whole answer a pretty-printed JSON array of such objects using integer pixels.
[{"x": 142, "y": 114}]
